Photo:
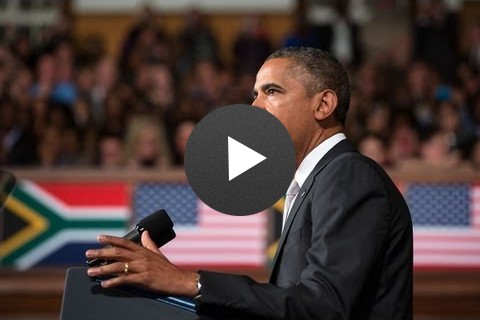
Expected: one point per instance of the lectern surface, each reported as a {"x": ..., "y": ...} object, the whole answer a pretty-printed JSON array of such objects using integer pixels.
[{"x": 85, "y": 299}]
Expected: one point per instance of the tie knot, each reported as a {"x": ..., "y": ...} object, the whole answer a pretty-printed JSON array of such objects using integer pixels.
[{"x": 293, "y": 189}]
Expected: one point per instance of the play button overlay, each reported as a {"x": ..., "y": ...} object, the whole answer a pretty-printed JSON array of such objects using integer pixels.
[{"x": 239, "y": 160}]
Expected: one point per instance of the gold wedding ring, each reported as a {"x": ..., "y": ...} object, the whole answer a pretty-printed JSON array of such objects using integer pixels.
[{"x": 125, "y": 268}]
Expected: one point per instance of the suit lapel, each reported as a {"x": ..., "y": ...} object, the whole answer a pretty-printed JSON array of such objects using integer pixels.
[{"x": 341, "y": 147}]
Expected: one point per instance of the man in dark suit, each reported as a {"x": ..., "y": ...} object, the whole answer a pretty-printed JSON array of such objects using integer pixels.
[{"x": 346, "y": 247}]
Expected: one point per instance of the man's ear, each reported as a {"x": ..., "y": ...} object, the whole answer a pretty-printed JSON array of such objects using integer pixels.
[{"x": 325, "y": 104}]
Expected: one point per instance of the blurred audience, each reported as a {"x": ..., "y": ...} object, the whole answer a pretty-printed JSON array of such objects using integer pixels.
[{"x": 65, "y": 102}]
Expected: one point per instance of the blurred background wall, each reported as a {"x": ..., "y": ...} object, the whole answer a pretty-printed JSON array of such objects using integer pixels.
[{"x": 98, "y": 98}]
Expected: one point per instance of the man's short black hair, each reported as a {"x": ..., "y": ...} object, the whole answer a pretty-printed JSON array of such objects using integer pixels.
[{"x": 319, "y": 70}]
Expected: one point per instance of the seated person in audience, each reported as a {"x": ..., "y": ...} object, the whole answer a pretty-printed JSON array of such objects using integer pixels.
[
  {"x": 50, "y": 151},
  {"x": 404, "y": 144},
  {"x": 375, "y": 148},
  {"x": 146, "y": 145},
  {"x": 182, "y": 133},
  {"x": 110, "y": 151}
]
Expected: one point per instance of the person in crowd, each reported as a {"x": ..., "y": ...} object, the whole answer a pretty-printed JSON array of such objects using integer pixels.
[
  {"x": 116, "y": 115},
  {"x": 196, "y": 43},
  {"x": 422, "y": 94},
  {"x": 145, "y": 41},
  {"x": 404, "y": 144},
  {"x": 104, "y": 82},
  {"x": 44, "y": 77},
  {"x": 378, "y": 121},
  {"x": 207, "y": 85},
  {"x": 374, "y": 147},
  {"x": 146, "y": 145},
  {"x": 50, "y": 151},
  {"x": 448, "y": 120},
  {"x": 339, "y": 33},
  {"x": 435, "y": 30},
  {"x": 251, "y": 46},
  {"x": 64, "y": 90},
  {"x": 159, "y": 92},
  {"x": 182, "y": 133},
  {"x": 472, "y": 54},
  {"x": 110, "y": 151},
  {"x": 17, "y": 141}
]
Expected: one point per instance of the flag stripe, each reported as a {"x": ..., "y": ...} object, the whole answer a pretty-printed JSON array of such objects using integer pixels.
[
  {"x": 445, "y": 260},
  {"x": 467, "y": 235},
  {"x": 57, "y": 241},
  {"x": 220, "y": 218},
  {"x": 104, "y": 212},
  {"x": 84, "y": 211},
  {"x": 89, "y": 194},
  {"x": 444, "y": 245}
]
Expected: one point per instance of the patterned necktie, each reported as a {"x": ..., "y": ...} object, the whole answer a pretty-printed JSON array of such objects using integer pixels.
[{"x": 291, "y": 194}]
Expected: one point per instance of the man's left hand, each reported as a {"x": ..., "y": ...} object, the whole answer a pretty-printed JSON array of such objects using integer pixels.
[{"x": 143, "y": 266}]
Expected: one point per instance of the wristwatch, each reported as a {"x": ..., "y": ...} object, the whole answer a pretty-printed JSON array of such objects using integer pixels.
[{"x": 199, "y": 288}]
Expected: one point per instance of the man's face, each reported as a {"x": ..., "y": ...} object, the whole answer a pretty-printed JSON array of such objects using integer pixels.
[{"x": 279, "y": 91}]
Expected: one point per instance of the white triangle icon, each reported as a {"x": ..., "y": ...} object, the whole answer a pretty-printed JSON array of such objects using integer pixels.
[{"x": 241, "y": 158}]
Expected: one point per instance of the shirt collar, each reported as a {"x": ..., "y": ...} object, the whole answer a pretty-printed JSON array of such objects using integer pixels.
[{"x": 314, "y": 156}]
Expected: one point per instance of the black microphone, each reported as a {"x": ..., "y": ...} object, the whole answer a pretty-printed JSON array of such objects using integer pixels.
[{"x": 159, "y": 227}]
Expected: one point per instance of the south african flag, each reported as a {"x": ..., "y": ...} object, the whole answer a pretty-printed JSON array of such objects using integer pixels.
[{"x": 48, "y": 223}]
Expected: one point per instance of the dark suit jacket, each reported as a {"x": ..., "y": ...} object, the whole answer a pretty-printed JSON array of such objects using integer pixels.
[{"x": 345, "y": 252}]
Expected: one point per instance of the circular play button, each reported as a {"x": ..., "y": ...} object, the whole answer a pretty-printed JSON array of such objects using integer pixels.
[{"x": 239, "y": 159}]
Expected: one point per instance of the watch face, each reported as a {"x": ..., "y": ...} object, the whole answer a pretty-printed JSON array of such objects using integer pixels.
[
  {"x": 199, "y": 293},
  {"x": 199, "y": 285}
]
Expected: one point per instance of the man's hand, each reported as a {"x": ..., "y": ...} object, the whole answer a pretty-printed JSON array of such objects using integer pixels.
[{"x": 145, "y": 267}]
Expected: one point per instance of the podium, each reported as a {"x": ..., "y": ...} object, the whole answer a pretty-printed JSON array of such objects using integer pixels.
[{"x": 85, "y": 299}]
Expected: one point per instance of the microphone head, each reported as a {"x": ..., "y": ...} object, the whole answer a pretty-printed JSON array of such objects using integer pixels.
[{"x": 159, "y": 227}]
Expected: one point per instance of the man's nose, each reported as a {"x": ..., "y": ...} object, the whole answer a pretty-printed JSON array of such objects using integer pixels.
[{"x": 257, "y": 103}]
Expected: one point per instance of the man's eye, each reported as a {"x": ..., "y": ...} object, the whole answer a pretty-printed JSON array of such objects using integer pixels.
[{"x": 271, "y": 91}]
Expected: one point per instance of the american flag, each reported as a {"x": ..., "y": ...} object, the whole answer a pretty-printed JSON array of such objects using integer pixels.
[
  {"x": 446, "y": 220},
  {"x": 205, "y": 237}
]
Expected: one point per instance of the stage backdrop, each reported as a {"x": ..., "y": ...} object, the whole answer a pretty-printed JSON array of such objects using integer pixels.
[{"x": 53, "y": 223}]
